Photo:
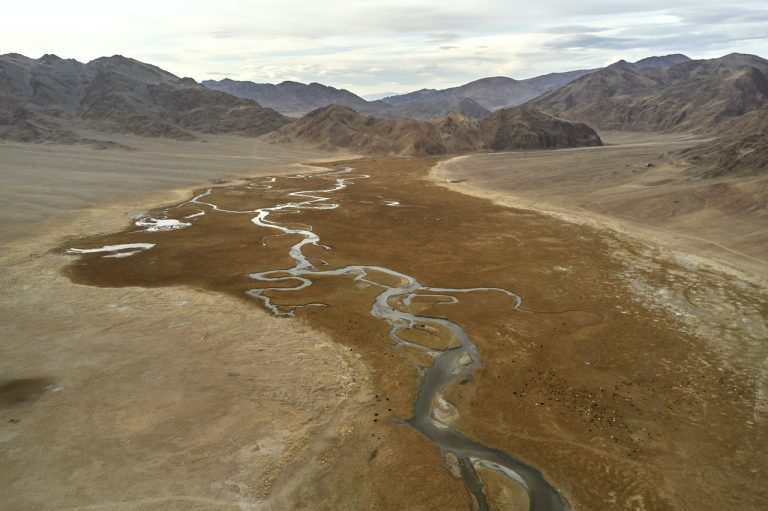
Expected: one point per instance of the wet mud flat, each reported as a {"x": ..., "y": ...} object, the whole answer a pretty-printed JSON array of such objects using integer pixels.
[{"x": 615, "y": 404}]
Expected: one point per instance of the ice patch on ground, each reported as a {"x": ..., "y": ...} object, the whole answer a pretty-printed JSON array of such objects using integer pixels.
[
  {"x": 117, "y": 251},
  {"x": 161, "y": 224}
]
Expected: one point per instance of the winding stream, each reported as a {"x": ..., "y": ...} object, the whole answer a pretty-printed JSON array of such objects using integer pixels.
[{"x": 432, "y": 414}]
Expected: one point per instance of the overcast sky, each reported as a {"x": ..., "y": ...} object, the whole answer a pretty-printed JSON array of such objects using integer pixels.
[{"x": 371, "y": 46}]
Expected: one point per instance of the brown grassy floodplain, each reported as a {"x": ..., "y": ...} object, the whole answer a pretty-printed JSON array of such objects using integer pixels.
[
  {"x": 135, "y": 398},
  {"x": 603, "y": 381},
  {"x": 638, "y": 183}
]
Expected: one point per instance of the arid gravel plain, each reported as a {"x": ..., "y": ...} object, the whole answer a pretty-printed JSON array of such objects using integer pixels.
[{"x": 167, "y": 398}]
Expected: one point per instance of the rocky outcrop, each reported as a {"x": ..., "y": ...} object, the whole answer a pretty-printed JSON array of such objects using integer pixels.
[{"x": 335, "y": 126}]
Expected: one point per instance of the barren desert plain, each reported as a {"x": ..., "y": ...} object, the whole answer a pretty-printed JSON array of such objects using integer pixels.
[{"x": 364, "y": 334}]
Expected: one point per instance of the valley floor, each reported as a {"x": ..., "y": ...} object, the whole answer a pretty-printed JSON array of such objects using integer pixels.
[
  {"x": 634, "y": 379},
  {"x": 167, "y": 398},
  {"x": 39, "y": 183}
]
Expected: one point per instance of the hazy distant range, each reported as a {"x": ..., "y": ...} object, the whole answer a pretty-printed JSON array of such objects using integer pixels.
[{"x": 474, "y": 99}]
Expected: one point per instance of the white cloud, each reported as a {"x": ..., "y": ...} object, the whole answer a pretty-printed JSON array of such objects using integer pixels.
[{"x": 368, "y": 45}]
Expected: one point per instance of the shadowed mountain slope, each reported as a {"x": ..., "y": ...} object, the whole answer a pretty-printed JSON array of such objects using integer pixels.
[
  {"x": 335, "y": 126},
  {"x": 529, "y": 128},
  {"x": 693, "y": 95},
  {"x": 290, "y": 98},
  {"x": 661, "y": 62},
  {"x": 743, "y": 151},
  {"x": 732, "y": 156},
  {"x": 45, "y": 99},
  {"x": 430, "y": 110},
  {"x": 297, "y": 99}
]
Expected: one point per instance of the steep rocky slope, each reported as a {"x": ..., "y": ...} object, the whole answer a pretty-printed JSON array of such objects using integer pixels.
[
  {"x": 335, "y": 126},
  {"x": 290, "y": 98},
  {"x": 46, "y": 99},
  {"x": 514, "y": 128},
  {"x": 528, "y": 128},
  {"x": 743, "y": 151},
  {"x": 696, "y": 95},
  {"x": 427, "y": 110}
]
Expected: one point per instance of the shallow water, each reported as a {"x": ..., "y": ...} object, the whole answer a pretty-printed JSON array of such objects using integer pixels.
[
  {"x": 448, "y": 364},
  {"x": 432, "y": 415}
]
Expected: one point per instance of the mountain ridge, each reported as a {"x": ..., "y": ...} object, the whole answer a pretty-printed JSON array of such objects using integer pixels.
[
  {"x": 46, "y": 99},
  {"x": 490, "y": 93},
  {"x": 335, "y": 126},
  {"x": 288, "y": 97},
  {"x": 693, "y": 95}
]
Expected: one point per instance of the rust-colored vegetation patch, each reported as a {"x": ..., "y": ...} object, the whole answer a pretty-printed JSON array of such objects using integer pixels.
[{"x": 618, "y": 407}]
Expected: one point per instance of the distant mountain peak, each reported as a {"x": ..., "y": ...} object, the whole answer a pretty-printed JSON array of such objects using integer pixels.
[
  {"x": 289, "y": 97},
  {"x": 621, "y": 63},
  {"x": 495, "y": 79},
  {"x": 662, "y": 61}
]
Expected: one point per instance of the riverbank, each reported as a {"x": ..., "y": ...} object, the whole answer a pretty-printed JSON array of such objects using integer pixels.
[
  {"x": 165, "y": 398},
  {"x": 633, "y": 185},
  {"x": 41, "y": 182}
]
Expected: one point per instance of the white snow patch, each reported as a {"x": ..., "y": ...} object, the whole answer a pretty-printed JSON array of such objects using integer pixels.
[
  {"x": 161, "y": 224},
  {"x": 124, "y": 250}
]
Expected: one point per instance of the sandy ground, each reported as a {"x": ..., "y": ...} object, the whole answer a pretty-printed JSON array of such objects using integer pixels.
[
  {"x": 40, "y": 181},
  {"x": 723, "y": 220},
  {"x": 167, "y": 398},
  {"x": 631, "y": 379}
]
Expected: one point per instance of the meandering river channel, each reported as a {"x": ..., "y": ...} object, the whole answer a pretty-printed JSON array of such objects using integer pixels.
[{"x": 433, "y": 416}]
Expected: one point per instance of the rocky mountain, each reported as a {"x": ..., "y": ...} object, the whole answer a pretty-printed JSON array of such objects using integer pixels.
[
  {"x": 730, "y": 156},
  {"x": 475, "y": 99},
  {"x": 297, "y": 99},
  {"x": 429, "y": 110},
  {"x": 661, "y": 62},
  {"x": 289, "y": 98},
  {"x": 491, "y": 93},
  {"x": 334, "y": 126},
  {"x": 742, "y": 151},
  {"x": 529, "y": 128},
  {"x": 699, "y": 96},
  {"x": 49, "y": 98},
  {"x": 552, "y": 81}
]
